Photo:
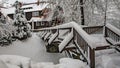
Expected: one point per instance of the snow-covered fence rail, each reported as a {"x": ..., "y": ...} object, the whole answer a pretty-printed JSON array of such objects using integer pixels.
[
  {"x": 112, "y": 35},
  {"x": 112, "y": 32},
  {"x": 83, "y": 45},
  {"x": 81, "y": 40},
  {"x": 5, "y": 37}
]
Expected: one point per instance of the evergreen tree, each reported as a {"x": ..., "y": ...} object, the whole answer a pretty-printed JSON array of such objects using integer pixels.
[
  {"x": 22, "y": 27},
  {"x": 5, "y": 32}
]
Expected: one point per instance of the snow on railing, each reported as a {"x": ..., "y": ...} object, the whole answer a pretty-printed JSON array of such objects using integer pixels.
[
  {"x": 47, "y": 35},
  {"x": 43, "y": 34},
  {"x": 78, "y": 28},
  {"x": 113, "y": 28},
  {"x": 112, "y": 32},
  {"x": 53, "y": 37},
  {"x": 65, "y": 41}
]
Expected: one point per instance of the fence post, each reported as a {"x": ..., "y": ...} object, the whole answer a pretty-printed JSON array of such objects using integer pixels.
[{"x": 92, "y": 58}]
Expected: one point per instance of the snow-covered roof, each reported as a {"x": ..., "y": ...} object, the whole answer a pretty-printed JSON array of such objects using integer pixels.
[
  {"x": 34, "y": 8},
  {"x": 8, "y": 11},
  {"x": 36, "y": 19}
]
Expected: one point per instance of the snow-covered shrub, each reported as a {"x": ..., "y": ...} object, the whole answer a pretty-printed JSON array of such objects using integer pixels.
[
  {"x": 5, "y": 34},
  {"x": 20, "y": 22}
]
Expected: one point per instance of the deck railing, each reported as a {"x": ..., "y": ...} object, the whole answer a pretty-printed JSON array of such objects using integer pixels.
[
  {"x": 82, "y": 41},
  {"x": 112, "y": 32},
  {"x": 93, "y": 29}
]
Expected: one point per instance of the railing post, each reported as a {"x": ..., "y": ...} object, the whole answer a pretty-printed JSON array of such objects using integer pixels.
[
  {"x": 105, "y": 31},
  {"x": 92, "y": 58}
]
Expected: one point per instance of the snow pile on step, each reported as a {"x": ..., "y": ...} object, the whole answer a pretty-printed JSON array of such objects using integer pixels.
[
  {"x": 14, "y": 61},
  {"x": 43, "y": 65},
  {"x": 3, "y": 65},
  {"x": 99, "y": 39},
  {"x": 64, "y": 63},
  {"x": 12, "y": 66},
  {"x": 71, "y": 63}
]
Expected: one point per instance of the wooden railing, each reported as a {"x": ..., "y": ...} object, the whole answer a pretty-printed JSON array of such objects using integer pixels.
[
  {"x": 112, "y": 32},
  {"x": 83, "y": 43},
  {"x": 93, "y": 29}
]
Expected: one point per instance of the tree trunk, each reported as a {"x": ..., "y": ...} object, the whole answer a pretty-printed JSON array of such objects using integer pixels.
[{"x": 82, "y": 12}]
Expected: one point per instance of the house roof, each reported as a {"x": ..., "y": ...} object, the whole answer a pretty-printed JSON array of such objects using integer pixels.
[
  {"x": 34, "y": 8},
  {"x": 35, "y": 19}
]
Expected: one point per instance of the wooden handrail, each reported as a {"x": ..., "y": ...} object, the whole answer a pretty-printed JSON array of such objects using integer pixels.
[
  {"x": 84, "y": 42},
  {"x": 112, "y": 32}
]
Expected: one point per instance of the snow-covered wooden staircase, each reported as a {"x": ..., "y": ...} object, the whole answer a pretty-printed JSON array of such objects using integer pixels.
[{"x": 81, "y": 42}]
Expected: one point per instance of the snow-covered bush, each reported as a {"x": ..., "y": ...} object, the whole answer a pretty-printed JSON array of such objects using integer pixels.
[
  {"x": 20, "y": 22},
  {"x": 5, "y": 33}
]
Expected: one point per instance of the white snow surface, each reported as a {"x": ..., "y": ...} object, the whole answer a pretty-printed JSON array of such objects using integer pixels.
[
  {"x": 33, "y": 48},
  {"x": 35, "y": 19},
  {"x": 3, "y": 65},
  {"x": 34, "y": 8},
  {"x": 108, "y": 61},
  {"x": 99, "y": 39},
  {"x": 63, "y": 63},
  {"x": 13, "y": 61},
  {"x": 71, "y": 63}
]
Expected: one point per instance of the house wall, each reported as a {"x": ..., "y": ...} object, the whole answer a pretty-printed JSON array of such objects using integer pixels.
[{"x": 42, "y": 24}]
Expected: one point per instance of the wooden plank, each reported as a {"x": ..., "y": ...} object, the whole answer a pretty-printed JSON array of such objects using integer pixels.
[
  {"x": 92, "y": 27},
  {"x": 102, "y": 48},
  {"x": 70, "y": 48},
  {"x": 66, "y": 45}
]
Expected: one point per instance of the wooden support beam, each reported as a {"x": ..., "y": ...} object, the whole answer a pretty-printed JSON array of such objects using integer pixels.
[
  {"x": 102, "y": 48},
  {"x": 92, "y": 58},
  {"x": 70, "y": 48}
]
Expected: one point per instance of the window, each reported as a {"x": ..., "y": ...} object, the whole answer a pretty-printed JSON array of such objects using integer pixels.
[
  {"x": 42, "y": 23},
  {"x": 37, "y": 23},
  {"x": 35, "y": 13},
  {"x": 27, "y": 8}
]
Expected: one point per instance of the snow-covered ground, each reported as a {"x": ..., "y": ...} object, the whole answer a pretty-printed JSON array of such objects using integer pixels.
[
  {"x": 33, "y": 48},
  {"x": 32, "y": 53}
]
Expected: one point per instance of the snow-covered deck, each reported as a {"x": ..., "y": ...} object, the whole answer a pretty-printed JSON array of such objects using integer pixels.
[{"x": 33, "y": 48}]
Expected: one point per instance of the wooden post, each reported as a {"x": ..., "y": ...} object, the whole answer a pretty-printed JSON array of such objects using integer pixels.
[
  {"x": 92, "y": 58},
  {"x": 32, "y": 25}
]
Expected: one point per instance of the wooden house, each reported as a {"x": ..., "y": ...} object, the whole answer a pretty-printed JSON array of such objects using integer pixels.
[{"x": 35, "y": 14}]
